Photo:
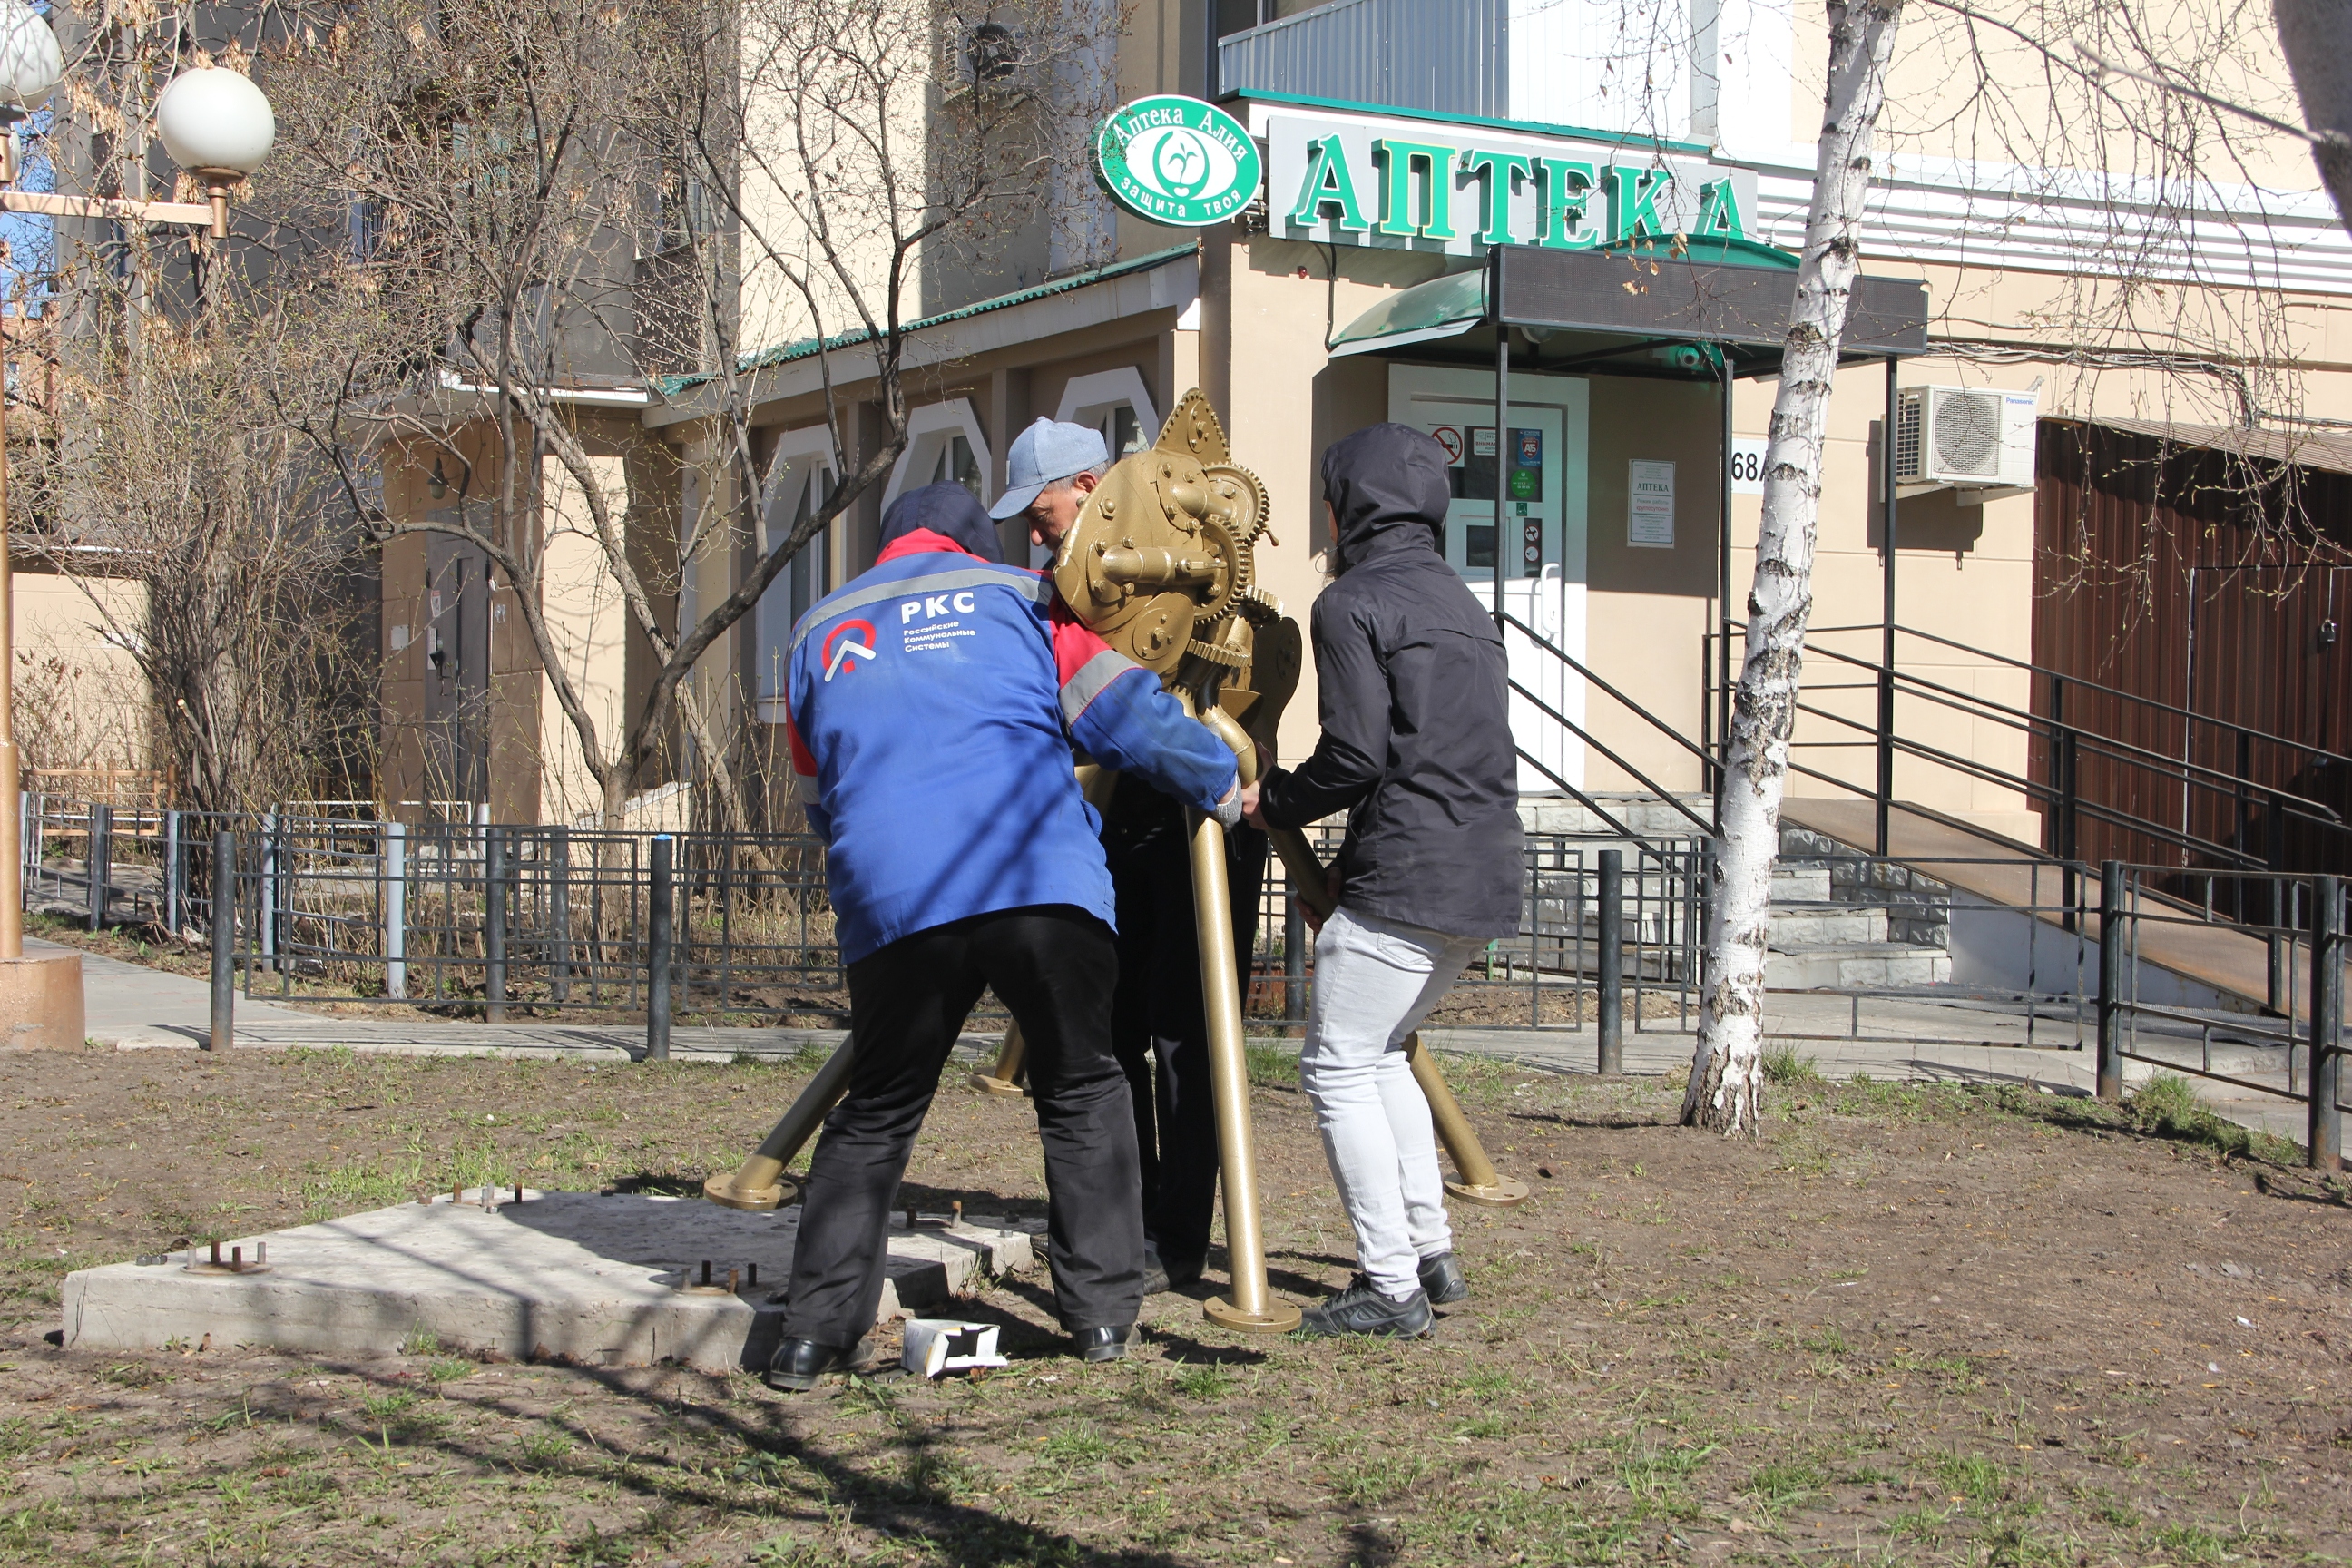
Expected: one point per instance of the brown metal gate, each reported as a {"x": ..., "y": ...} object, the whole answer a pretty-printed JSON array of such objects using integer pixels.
[{"x": 2187, "y": 604}]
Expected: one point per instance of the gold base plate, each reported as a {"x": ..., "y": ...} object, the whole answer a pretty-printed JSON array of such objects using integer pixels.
[
  {"x": 1279, "y": 1318},
  {"x": 1503, "y": 1195},
  {"x": 998, "y": 1087},
  {"x": 721, "y": 1189}
]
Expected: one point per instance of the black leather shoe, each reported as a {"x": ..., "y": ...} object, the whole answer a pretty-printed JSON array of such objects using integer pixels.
[
  {"x": 1104, "y": 1341},
  {"x": 1361, "y": 1309},
  {"x": 1159, "y": 1275},
  {"x": 1442, "y": 1281},
  {"x": 799, "y": 1365}
]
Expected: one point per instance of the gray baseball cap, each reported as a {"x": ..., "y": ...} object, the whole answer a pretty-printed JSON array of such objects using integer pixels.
[{"x": 1046, "y": 451}]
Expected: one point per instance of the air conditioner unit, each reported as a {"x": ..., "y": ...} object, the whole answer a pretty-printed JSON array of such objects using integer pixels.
[{"x": 1966, "y": 437}]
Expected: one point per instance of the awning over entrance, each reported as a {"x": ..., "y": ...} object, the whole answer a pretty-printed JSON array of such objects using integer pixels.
[{"x": 1628, "y": 310}]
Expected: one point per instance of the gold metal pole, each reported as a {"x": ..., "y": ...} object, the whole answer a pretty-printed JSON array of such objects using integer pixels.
[
  {"x": 1477, "y": 1180},
  {"x": 1003, "y": 1080},
  {"x": 1252, "y": 1307},
  {"x": 759, "y": 1182}
]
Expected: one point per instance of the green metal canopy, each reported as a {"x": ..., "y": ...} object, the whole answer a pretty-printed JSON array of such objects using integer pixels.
[
  {"x": 1440, "y": 308},
  {"x": 1730, "y": 296}
]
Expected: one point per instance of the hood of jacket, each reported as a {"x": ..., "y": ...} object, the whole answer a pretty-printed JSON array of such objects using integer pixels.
[
  {"x": 1388, "y": 488},
  {"x": 947, "y": 509}
]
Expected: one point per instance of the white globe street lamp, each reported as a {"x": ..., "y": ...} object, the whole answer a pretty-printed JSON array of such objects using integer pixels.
[
  {"x": 31, "y": 65},
  {"x": 30, "y": 68},
  {"x": 216, "y": 125}
]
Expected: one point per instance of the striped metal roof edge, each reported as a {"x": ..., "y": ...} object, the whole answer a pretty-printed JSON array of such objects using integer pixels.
[
  {"x": 803, "y": 348},
  {"x": 2304, "y": 449}
]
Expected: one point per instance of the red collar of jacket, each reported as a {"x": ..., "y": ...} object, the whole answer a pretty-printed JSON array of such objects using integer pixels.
[{"x": 918, "y": 541}]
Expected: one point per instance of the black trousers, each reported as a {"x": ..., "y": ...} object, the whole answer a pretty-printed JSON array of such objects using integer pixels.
[
  {"x": 1055, "y": 966},
  {"x": 1157, "y": 1017}
]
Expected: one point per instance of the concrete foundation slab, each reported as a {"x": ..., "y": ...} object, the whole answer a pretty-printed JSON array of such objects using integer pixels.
[{"x": 604, "y": 1279}]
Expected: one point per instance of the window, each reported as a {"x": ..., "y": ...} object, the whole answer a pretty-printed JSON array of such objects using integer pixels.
[
  {"x": 806, "y": 484},
  {"x": 944, "y": 445},
  {"x": 1122, "y": 432},
  {"x": 1115, "y": 402},
  {"x": 992, "y": 53},
  {"x": 957, "y": 466},
  {"x": 809, "y": 572}
]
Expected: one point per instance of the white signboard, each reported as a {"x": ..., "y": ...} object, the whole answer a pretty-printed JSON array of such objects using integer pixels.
[
  {"x": 1649, "y": 504},
  {"x": 1748, "y": 465},
  {"x": 1429, "y": 185}
]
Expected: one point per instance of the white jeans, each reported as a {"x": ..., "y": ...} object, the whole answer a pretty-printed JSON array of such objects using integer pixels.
[{"x": 1375, "y": 980}]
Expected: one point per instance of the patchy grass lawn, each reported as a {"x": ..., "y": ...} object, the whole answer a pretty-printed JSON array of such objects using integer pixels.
[{"x": 1914, "y": 1324}]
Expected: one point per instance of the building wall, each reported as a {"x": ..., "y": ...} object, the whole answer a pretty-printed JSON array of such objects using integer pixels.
[
  {"x": 535, "y": 769},
  {"x": 80, "y": 699},
  {"x": 588, "y": 624}
]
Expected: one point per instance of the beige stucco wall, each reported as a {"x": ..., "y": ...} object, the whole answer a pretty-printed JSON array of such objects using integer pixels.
[
  {"x": 2038, "y": 110},
  {"x": 80, "y": 699},
  {"x": 587, "y": 622}
]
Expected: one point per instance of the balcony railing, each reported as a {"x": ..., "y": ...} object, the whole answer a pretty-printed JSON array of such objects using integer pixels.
[{"x": 1447, "y": 57}]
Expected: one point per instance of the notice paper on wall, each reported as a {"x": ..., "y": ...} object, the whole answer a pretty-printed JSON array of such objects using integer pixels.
[{"x": 1649, "y": 504}]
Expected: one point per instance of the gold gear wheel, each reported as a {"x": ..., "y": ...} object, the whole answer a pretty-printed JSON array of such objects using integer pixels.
[
  {"x": 1240, "y": 570},
  {"x": 1258, "y": 607},
  {"x": 1218, "y": 652},
  {"x": 1241, "y": 496}
]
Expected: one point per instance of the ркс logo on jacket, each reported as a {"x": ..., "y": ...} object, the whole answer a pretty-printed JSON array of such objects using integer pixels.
[{"x": 849, "y": 637}]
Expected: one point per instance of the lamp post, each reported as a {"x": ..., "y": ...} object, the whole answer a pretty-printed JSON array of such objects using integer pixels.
[{"x": 215, "y": 124}]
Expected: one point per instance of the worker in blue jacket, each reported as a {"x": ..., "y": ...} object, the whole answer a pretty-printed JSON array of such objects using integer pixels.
[{"x": 932, "y": 706}]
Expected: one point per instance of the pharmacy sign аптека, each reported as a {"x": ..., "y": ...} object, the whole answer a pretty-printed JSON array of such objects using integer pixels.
[{"x": 1177, "y": 160}]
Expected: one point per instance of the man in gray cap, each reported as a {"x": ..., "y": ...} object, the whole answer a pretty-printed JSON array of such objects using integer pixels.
[
  {"x": 1048, "y": 475},
  {"x": 1157, "y": 1019}
]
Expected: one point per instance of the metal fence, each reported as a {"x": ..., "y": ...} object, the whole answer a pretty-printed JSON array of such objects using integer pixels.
[
  {"x": 546, "y": 919},
  {"x": 2301, "y": 1043},
  {"x": 1548, "y": 975},
  {"x": 532, "y": 921},
  {"x": 508, "y": 921}
]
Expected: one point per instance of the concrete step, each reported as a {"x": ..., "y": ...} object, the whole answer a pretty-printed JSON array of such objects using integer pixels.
[
  {"x": 1826, "y": 924},
  {"x": 1856, "y": 965},
  {"x": 1646, "y": 814},
  {"x": 1801, "y": 884}
]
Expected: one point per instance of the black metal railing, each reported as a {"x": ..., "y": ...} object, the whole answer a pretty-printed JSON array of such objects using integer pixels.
[{"x": 2297, "y": 1057}]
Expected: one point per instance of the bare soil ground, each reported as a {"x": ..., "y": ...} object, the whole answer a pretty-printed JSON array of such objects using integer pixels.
[{"x": 1929, "y": 1325}]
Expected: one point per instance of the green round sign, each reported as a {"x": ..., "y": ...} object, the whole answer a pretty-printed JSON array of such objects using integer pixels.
[{"x": 1177, "y": 160}]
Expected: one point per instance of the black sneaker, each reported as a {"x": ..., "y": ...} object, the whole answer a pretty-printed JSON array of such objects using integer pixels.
[
  {"x": 1442, "y": 1281},
  {"x": 1159, "y": 1275},
  {"x": 1361, "y": 1309}
]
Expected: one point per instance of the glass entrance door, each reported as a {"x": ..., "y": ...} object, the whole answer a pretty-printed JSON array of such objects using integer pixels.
[
  {"x": 1516, "y": 525},
  {"x": 1514, "y": 471}
]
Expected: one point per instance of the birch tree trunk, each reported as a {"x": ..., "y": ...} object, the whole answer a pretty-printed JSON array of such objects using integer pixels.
[{"x": 1727, "y": 1073}]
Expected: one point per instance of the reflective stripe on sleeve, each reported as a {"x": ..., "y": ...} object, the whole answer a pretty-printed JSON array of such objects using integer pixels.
[{"x": 1088, "y": 681}]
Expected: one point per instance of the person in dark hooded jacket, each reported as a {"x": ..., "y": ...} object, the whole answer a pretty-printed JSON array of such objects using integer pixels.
[{"x": 1416, "y": 749}]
